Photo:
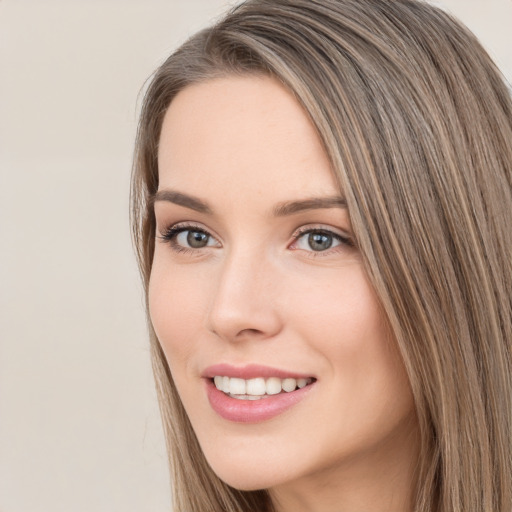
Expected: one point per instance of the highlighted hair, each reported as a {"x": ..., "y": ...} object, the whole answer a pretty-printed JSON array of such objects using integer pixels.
[{"x": 417, "y": 122}]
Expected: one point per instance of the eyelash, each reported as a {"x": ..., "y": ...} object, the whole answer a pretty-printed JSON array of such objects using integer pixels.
[
  {"x": 344, "y": 240},
  {"x": 169, "y": 236}
]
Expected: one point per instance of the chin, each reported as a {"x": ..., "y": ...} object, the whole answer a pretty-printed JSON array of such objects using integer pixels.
[{"x": 251, "y": 476}]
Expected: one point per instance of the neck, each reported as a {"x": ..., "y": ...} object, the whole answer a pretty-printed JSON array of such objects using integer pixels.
[{"x": 381, "y": 480}]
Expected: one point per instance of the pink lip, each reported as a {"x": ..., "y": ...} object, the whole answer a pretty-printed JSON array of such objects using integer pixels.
[
  {"x": 250, "y": 371},
  {"x": 251, "y": 411}
]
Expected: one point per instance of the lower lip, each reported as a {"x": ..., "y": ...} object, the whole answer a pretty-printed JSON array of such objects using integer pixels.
[{"x": 253, "y": 411}]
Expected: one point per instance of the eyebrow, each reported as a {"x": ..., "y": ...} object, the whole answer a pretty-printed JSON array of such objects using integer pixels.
[
  {"x": 314, "y": 203},
  {"x": 181, "y": 199},
  {"x": 280, "y": 210}
]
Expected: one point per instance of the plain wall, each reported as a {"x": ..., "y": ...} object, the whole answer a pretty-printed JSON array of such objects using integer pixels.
[{"x": 79, "y": 424}]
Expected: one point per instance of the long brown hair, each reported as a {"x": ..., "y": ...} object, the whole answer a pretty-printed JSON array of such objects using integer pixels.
[{"x": 417, "y": 122}]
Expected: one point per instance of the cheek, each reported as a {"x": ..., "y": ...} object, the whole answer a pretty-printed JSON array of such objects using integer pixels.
[
  {"x": 346, "y": 325},
  {"x": 176, "y": 312},
  {"x": 342, "y": 314}
]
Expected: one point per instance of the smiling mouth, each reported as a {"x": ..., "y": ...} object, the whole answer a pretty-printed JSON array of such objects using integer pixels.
[{"x": 258, "y": 388}]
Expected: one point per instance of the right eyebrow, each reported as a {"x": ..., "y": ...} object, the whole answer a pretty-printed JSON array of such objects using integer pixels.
[{"x": 182, "y": 199}]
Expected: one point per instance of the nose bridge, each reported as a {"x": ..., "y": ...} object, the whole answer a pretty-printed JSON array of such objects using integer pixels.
[{"x": 243, "y": 304}]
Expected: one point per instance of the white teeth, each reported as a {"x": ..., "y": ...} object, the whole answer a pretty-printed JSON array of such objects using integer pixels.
[
  {"x": 237, "y": 386},
  {"x": 246, "y": 397},
  {"x": 289, "y": 385},
  {"x": 256, "y": 386},
  {"x": 301, "y": 383},
  {"x": 253, "y": 389},
  {"x": 273, "y": 386}
]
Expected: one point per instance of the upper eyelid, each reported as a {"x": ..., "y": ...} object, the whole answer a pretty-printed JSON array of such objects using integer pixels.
[
  {"x": 188, "y": 226},
  {"x": 320, "y": 227},
  {"x": 300, "y": 230},
  {"x": 297, "y": 233}
]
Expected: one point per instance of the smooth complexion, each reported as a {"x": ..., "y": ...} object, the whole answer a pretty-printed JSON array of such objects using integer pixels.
[{"x": 238, "y": 280}]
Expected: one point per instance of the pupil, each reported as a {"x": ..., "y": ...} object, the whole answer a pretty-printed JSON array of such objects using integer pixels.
[
  {"x": 319, "y": 241},
  {"x": 196, "y": 239}
]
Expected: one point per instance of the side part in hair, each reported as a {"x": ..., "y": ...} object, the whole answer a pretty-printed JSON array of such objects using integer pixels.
[{"x": 417, "y": 123}]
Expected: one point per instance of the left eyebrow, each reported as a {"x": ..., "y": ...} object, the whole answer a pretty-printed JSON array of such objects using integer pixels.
[{"x": 314, "y": 203}]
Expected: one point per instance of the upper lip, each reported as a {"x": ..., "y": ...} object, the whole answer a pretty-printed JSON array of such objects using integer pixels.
[{"x": 250, "y": 371}]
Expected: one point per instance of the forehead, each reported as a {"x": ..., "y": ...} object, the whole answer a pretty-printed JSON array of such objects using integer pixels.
[{"x": 242, "y": 133}]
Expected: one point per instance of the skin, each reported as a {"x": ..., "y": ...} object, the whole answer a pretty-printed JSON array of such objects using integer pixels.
[{"x": 257, "y": 293}]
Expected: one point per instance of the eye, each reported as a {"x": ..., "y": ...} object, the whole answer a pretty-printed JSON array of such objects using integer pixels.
[
  {"x": 319, "y": 240},
  {"x": 188, "y": 238},
  {"x": 193, "y": 239}
]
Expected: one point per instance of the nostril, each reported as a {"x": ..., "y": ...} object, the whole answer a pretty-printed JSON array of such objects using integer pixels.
[{"x": 249, "y": 332}]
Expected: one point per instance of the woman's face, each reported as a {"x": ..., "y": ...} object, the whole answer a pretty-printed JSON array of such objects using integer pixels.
[{"x": 257, "y": 284}]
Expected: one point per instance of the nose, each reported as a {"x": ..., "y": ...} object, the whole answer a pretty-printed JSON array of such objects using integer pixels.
[{"x": 244, "y": 304}]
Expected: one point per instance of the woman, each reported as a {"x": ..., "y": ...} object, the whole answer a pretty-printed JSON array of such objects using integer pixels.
[{"x": 321, "y": 202}]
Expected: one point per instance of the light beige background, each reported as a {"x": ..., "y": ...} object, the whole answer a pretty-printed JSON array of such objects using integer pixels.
[{"x": 79, "y": 425}]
